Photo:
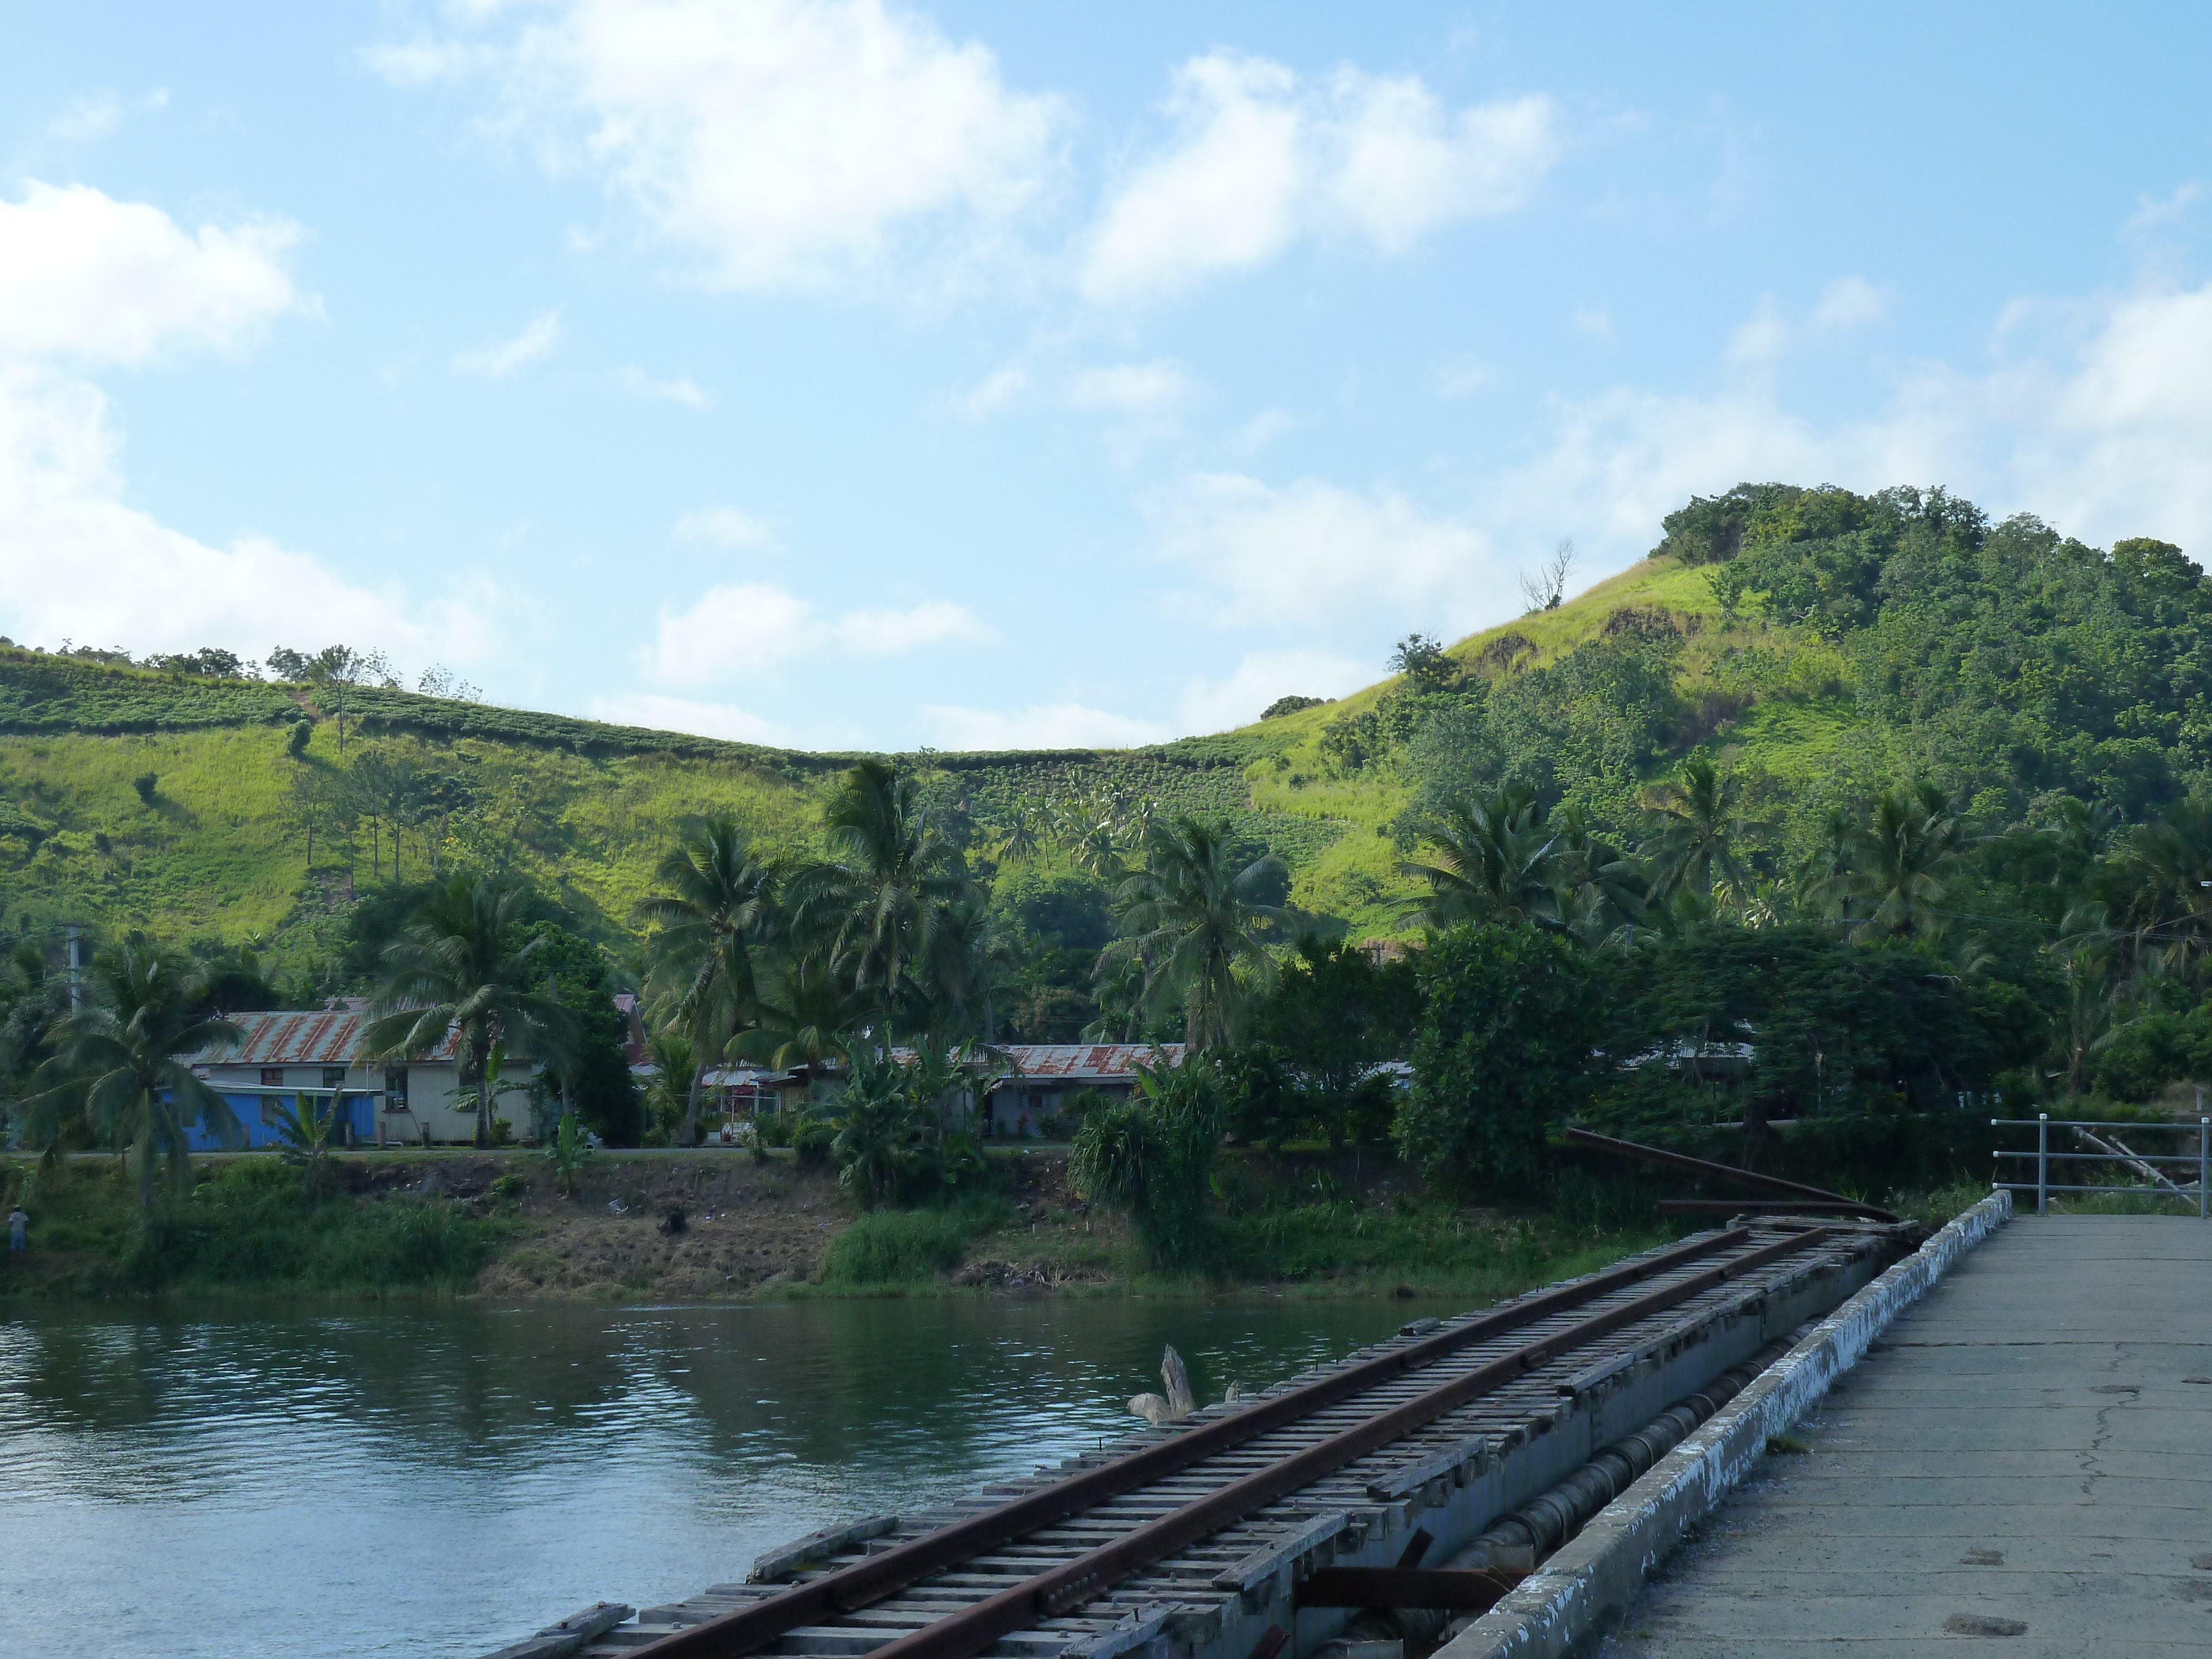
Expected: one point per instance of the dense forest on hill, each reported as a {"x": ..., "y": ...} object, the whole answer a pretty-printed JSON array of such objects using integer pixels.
[{"x": 1923, "y": 802}]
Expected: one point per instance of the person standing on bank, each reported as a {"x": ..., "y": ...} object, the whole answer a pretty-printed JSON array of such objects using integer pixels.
[{"x": 19, "y": 1230}]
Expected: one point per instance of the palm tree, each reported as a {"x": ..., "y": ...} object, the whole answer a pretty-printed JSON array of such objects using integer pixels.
[
  {"x": 122, "y": 1064},
  {"x": 892, "y": 871},
  {"x": 1193, "y": 917},
  {"x": 720, "y": 908},
  {"x": 1696, "y": 817},
  {"x": 2161, "y": 889},
  {"x": 1912, "y": 840},
  {"x": 1599, "y": 890},
  {"x": 461, "y": 969},
  {"x": 808, "y": 1019},
  {"x": 1018, "y": 841},
  {"x": 1490, "y": 858},
  {"x": 972, "y": 958},
  {"x": 1119, "y": 990},
  {"x": 1825, "y": 878}
]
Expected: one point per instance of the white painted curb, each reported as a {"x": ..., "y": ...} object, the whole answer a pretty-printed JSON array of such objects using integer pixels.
[{"x": 1595, "y": 1576}]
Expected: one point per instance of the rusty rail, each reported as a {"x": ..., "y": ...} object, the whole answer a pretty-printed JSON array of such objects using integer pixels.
[
  {"x": 972, "y": 1629},
  {"x": 1709, "y": 1171}
]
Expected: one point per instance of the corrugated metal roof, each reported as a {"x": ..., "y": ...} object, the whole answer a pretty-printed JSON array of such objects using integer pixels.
[
  {"x": 1086, "y": 1061},
  {"x": 321, "y": 1036},
  {"x": 1076, "y": 1061}
]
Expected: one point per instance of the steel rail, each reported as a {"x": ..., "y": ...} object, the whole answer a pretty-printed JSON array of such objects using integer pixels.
[
  {"x": 1708, "y": 1171},
  {"x": 845, "y": 1589},
  {"x": 1062, "y": 1589}
]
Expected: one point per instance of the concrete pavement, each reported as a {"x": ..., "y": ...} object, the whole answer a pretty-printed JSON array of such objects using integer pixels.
[{"x": 2024, "y": 1457}]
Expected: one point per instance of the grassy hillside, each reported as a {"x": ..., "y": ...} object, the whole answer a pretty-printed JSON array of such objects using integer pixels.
[{"x": 1818, "y": 643}]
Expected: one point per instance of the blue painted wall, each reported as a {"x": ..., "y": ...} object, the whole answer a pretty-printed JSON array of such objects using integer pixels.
[{"x": 358, "y": 1110}]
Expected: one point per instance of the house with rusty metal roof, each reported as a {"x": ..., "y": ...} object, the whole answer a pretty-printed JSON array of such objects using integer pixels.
[
  {"x": 291, "y": 1055},
  {"x": 1045, "y": 1077}
]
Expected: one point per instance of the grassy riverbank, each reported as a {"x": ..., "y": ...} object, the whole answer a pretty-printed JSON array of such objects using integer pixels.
[
  {"x": 689, "y": 1225},
  {"x": 696, "y": 1226}
]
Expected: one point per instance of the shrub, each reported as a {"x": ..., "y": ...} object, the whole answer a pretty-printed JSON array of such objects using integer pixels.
[
  {"x": 1504, "y": 1048},
  {"x": 904, "y": 1247},
  {"x": 1151, "y": 1158},
  {"x": 145, "y": 783},
  {"x": 2143, "y": 1056}
]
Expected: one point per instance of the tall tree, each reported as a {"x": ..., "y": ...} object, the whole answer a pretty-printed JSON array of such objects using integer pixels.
[
  {"x": 1911, "y": 842},
  {"x": 1336, "y": 1014},
  {"x": 1193, "y": 915},
  {"x": 1696, "y": 818},
  {"x": 463, "y": 966},
  {"x": 123, "y": 1062},
  {"x": 1490, "y": 858},
  {"x": 878, "y": 900},
  {"x": 719, "y": 910}
]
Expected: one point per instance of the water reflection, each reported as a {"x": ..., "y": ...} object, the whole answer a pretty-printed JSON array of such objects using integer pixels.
[{"x": 440, "y": 1480}]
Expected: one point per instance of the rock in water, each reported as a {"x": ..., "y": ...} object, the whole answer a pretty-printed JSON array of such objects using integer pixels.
[{"x": 1150, "y": 1407}]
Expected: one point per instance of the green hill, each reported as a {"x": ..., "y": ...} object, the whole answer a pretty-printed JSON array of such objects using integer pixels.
[{"x": 1818, "y": 642}]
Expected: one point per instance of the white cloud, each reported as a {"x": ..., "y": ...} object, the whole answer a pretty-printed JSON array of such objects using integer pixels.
[
  {"x": 501, "y": 358},
  {"x": 888, "y": 633},
  {"x": 1262, "y": 157},
  {"x": 1040, "y": 726},
  {"x": 1849, "y": 302},
  {"x": 1462, "y": 376},
  {"x": 88, "y": 278},
  {"x": 2152, "y": 210},
  {"x": 1263, "y": 429},
  {"x": 1130, "y": 388},
  {"x": 2122, "y": 450},
  {"x": 726, "y": 526},
  {"x": 1761, "y": 338},
  {"x": 1209, "y": 705},
  {"x": 787, "y": 143},
  {"x": 77, "y": 563},
  {"x": 85, "y": 278},
  {"x": 994, "y": 392},
  {"x": 1310, "y": 553},
  {"x": 743, "y": 626},
  {"x": 705, "y": 719},
  {"x": 1406, "y": 167},
  {"x": 2104, "y": 433},
  {"x": 638, "y": 384},
  {"x": 91, "y": 118},
  {"x": 1594, "y": 321},
  {"x": 728, "y": 629}
]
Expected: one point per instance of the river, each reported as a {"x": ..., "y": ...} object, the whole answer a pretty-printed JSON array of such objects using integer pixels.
[{"x": 440, "y": 1480}]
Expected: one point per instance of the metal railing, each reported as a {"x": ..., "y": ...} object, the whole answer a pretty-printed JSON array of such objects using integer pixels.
[{"x": 2110, "y": 1149}]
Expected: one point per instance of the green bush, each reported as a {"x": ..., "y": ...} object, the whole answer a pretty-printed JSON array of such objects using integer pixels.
[
  {"x": 1504, "y": 1048},
  {"x": 2140, "y": 1058},
  {"x": 905, "y": 1247},
  {"x": 249, "y": 1225},
  {"x": 1151, "y": 1158}
]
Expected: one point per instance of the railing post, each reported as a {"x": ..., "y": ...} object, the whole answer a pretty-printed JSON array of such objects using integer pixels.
[
  {"x": 2043, "y": 1163},
  {"x": 2204, "y": 1166}
]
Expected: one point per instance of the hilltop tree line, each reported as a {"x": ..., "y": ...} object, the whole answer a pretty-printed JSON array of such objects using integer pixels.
[{"x": 335, "y": 668}]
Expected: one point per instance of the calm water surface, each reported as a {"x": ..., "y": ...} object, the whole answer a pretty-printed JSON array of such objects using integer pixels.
[{"x": 442, "y": 1481}]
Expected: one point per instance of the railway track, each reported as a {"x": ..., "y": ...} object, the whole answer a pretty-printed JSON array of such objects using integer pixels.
[{"x": 1205, "y": 1537}]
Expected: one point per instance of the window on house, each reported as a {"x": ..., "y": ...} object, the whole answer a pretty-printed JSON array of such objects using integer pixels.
[
  {"x": 334, "y": 1077},
  {"x": 395, "y": 1088},
  {"x": 272, "y": 1111},
  {"x": 272, "y": 1077}
]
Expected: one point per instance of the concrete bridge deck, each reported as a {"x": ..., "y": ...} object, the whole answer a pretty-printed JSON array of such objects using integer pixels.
[{"x": 2026, "y": 1455}]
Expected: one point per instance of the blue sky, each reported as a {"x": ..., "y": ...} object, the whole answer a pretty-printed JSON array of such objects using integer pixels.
[{"x": 991, "y": 374}]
